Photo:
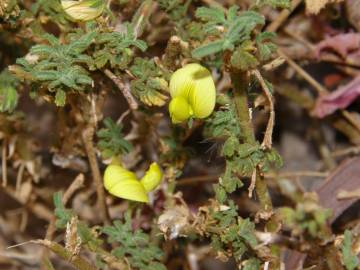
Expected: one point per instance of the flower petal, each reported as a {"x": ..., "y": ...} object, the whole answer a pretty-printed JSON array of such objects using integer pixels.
[
  {"x": 180, "y": 110},
  {"x": 130, "y": 189},
  {"x": 181, "y": 82},
  {"x": 123, "y": 183},
  {"x": 203, "y": 97},
  {"x": 152, "y": 177},
  {"x": 84, "y": 10}
]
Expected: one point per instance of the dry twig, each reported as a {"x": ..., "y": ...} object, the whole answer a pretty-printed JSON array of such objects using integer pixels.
[
  {"x": 3, "y": 163},
  {"x": 124, "y": 88},
  {"x": 87, "y": 137},
  {"x": 281, "y": 18},
  {"x": 267, "y": 141}
]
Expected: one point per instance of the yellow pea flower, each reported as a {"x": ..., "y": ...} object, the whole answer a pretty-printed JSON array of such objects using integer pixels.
[
  {"x": 124, "y": 184},
  {"x": 83, "y": 10},
  {"x": 193, "y": 93}
]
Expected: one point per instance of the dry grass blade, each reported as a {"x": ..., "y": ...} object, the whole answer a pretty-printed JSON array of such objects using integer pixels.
[
  {"x": 76, "y": 260},
  {"x": 267, "y": 141}
]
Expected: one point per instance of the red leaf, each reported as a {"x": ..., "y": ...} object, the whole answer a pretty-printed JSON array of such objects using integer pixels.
[
  {"x": 342, "y": 44},
  {"x": 339, "y": 99}
]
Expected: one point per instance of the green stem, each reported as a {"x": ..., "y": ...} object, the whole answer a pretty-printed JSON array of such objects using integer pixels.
[
  {"x": 240, "y": 82},
  {"x": 77, "y": 261}
]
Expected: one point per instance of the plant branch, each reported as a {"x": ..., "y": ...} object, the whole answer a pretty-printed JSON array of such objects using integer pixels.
[
  {"x": 296, "y": 174},
  {"x": 87, "y": 136},
  {"x": 3, "y": 163},
  {"x": 281, "y": 18},
  {"x": 76, "y": 260},
  {"x": 125, "y": 89},
  {"x": 240, "y": 82},
  {"x": 317, "y": 86}
]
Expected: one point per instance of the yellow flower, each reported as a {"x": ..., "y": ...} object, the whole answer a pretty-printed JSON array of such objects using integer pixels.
[
  {"x": 83, "y": 10},
  {"x": 193, "y": 93},
  {"x": 124, "y": 184}
]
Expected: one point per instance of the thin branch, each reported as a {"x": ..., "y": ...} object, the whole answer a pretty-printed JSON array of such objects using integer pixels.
[
  {"x": 240, "y": 83},
  {"x": 353, "y": 120},
  {"x": 75, "y": 186},
  {"x": 87, "y": 136},
  {"x": 267, "y": 141},
  {"x": 76, "y": 260},
  {"x": 124, "y": 88},
  {"x": 19, "y": 177},
  {"x": 282, "y": 17},
  {"x": 213, "y": 178},
  {"x": 252, "y": 183},
  {"x": 3, "y": 163},
  {"x": 354, "y": 150},
  {"x": 317, "y": 86}
]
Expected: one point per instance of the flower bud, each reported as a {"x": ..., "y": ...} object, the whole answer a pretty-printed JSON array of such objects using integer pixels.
[
  {"x": 83, "y": 10},
  {"x": 193, "y": 93}
]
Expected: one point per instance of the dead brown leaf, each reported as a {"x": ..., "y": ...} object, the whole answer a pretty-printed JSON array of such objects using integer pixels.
[
  {"x": 314, "y": 6},
  {"x": 175, "y": 221}
]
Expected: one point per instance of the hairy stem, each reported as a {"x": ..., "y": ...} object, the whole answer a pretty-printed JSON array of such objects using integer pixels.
[
  {"x": 240, "y": 82},
  {"x": 77, "y": 261}
]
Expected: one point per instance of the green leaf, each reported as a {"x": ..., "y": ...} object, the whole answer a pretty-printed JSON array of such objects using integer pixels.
[
  {"x": 220, "y": 193},
  {"x": 114, "y": 48},
  {"x": 243, "y": 59},
  {"x": 275, "y": 3},
  {"x": 265, "y": 45},
  {"x": 211, "y": 14},
  {"x": 350, "y": 260},
  {"x": 247, "y": 232},
  {"x": 229, "y": 181},
  {"x": 111, "y": 140},
  {"x": 241, "y": 28},
  {"x": 60, "y": 98},
  {"x": 8, "y": 94},
  {"x": 252, "y": 264},
  {"x": 223, "y": 123},
  {"x": 149, "y": 85},
  {"x": 208, "y": 49},
  {"x": 246, "y": 149},
  {"x": 88, "y": 236},
  {"x": 230, "y": 146},
  {"x": 235, "y": 28},
  {"x": 63, "y": 215},
  {"x": 136, "y": 246},
  {"x": 8, "y": 99},
  {"x": 60, "y": 65},
  {"x": 52, "y": 9}
]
